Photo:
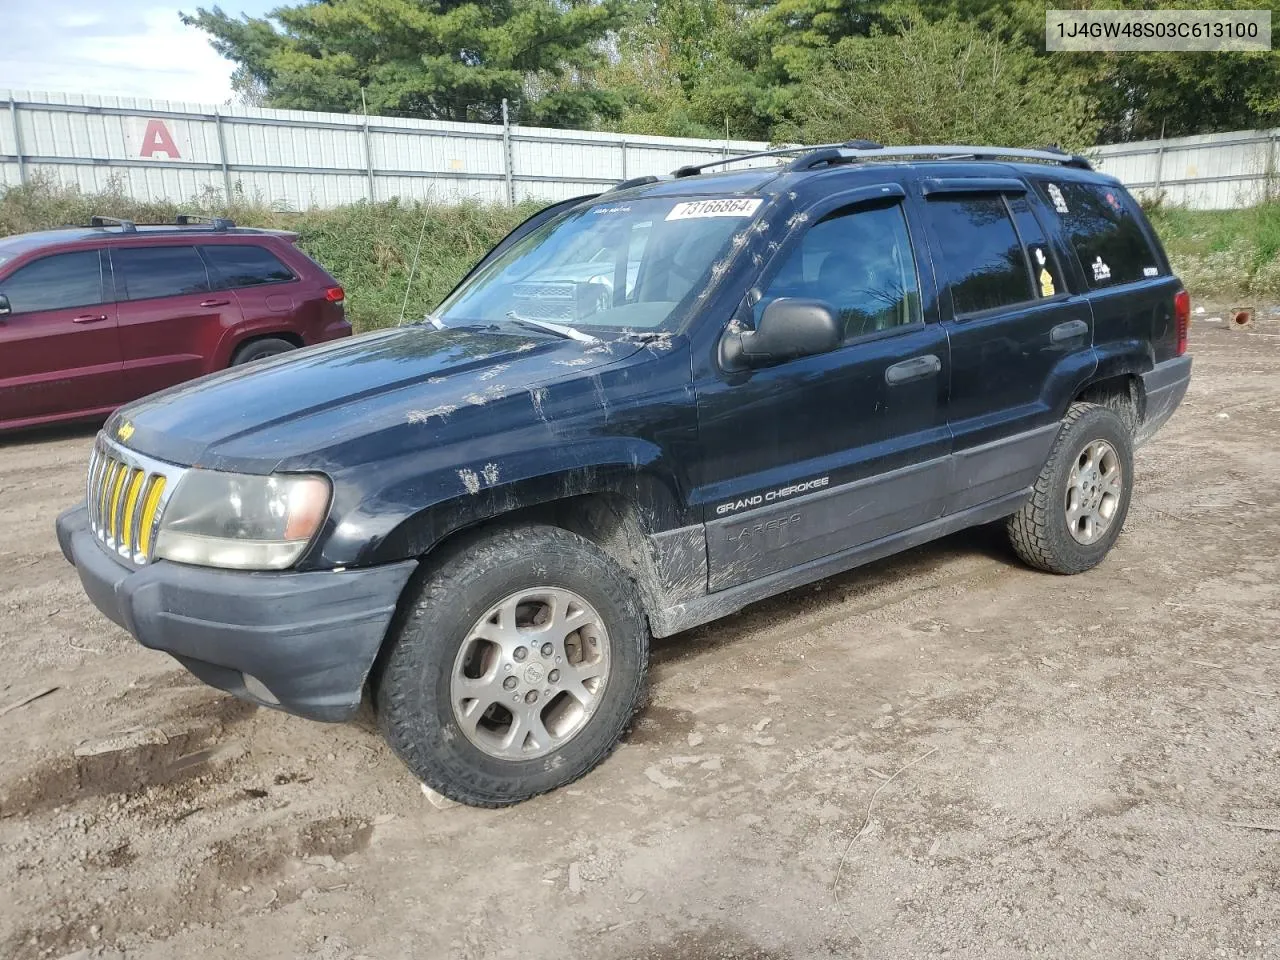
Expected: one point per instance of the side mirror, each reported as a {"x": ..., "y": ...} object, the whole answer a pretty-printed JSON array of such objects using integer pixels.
[
  {"x": 5, "y": 309},
  {"x": 788, "y": 329}
]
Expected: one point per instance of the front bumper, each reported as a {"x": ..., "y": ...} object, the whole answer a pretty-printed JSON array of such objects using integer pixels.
[
  {"x": 1164, "y": 387},
  {"x": 301, "y": 642}
]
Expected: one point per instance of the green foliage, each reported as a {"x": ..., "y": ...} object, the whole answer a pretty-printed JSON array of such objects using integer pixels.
[
  {"x": 1223, "y": 253},
  {"x": 446, "y": 59},
  {"x": 369, "y": 248},
  {"x": 944, "y": 81},
  {"x": 1142, "y": 95},
  {"x": 693, "y": 66}
]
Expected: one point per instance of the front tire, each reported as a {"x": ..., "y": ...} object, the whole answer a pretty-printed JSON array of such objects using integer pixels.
[
  {"x": 1081, "y": 497},
  {"x": 516, "y": 668}
]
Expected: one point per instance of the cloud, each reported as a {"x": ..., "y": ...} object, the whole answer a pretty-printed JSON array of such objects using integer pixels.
[{"x": 138, "y": 49}]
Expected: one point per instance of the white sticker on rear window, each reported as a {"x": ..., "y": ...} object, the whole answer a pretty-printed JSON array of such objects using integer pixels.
[
  {"x": 729, "y": 207},
  {"x": 1149, "y": 271},
  {"x": 1059, "y": 201}
]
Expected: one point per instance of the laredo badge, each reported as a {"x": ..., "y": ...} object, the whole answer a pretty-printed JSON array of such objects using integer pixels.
[{"x": 125, "y": 431}]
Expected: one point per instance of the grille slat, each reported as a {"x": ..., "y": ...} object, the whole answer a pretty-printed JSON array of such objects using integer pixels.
[{"x": 126, "y": 493}]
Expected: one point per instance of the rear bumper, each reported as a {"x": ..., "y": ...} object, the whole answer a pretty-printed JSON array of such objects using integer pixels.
[
  {"x": 1164, "y": 387},
  {"x": 306, "y": 641}
]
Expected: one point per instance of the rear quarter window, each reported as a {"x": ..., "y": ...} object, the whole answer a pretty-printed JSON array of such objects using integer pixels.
[
  {"x": 244, "y": 265},
  {"x": 1103, "y": 230}
]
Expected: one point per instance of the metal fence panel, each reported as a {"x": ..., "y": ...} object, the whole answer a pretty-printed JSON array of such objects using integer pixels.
[
  {"x": 294, "y": 159},
  {"x": 160, "y": 149},
  {"x": 1211, "y": 171}
]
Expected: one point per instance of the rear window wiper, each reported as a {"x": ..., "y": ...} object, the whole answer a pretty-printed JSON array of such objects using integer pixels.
[{"x": 559, "y": 329}]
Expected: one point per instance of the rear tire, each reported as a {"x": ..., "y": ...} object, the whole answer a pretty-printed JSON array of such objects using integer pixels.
[
  {"x": 516, "y": 668},
  {"x": 261, "y": 349},
  {"x": 1081, "y": 497}
]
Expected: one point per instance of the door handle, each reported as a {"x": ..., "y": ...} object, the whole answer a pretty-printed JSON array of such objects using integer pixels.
[
  {"x": 89, "y": 318},
  {"x": 917, "y": 368},
  {"x": 214, "y": 303},
  {"x": 1068, "y": 331}
]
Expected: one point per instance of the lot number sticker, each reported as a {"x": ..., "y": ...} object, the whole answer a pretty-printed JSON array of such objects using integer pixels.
[{"x": 696, "y": 209}]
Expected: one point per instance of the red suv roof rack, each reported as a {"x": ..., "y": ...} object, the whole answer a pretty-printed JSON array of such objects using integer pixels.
[{"x": 126, "y": 226}]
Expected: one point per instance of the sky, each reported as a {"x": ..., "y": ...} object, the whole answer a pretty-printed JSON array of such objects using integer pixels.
[{"x": 133, "y": 48}]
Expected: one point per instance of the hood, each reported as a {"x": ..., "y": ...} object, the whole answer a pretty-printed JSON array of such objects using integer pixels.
[{"x": 298, "y": 405}]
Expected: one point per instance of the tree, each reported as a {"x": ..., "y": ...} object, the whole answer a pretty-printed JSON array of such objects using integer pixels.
[
  {"x": 687, "y": 68},
  {"x": 1138, "y": 95},
  {"x": 439, "y": 59},
  {"x": 940, "y": 82}
]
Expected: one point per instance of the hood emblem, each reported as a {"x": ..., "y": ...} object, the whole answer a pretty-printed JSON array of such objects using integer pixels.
[{"x": 125, "y": 431}]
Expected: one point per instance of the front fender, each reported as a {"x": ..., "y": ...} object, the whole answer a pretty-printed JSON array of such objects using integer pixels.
[
  {"x": 628, "y": 429},
  {"x": 633, "y": 470}
]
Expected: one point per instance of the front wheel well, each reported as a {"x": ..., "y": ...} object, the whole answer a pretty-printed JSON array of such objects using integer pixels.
[
  {"x": 1122, "y": 394},
  {"x": 611, "y": 521}
]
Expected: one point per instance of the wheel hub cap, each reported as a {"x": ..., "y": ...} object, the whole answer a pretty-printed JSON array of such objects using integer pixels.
[
  {"x": 1094, "y": 488},
  {"x": 530, "y": 673}
]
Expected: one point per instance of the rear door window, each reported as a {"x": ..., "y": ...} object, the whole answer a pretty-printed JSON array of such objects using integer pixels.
[
  {"x": 1046, "y": 272},
  {"x": 244, "y": 265},
  {"x": 160, "y": 271},
  {"x": 1103, "y": 231},
  {"x": 984, "y": 262},
  {"x": 57, "y": 282}
]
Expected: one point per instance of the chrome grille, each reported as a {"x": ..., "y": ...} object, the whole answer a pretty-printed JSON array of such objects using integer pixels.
[{"x": 126, "y": 495}]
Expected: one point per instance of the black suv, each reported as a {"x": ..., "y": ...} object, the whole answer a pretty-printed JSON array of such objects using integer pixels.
[{"x": 642, "y": 411}]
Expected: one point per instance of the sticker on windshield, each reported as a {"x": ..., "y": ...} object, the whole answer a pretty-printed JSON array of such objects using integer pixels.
[{"x": 734, "y": 207}]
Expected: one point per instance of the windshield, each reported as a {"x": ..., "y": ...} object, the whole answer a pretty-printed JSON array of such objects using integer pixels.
[{"x": 627, "y": 264}]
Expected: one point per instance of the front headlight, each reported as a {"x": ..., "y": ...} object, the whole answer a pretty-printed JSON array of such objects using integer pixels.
[{"x": 217, "y": 519}]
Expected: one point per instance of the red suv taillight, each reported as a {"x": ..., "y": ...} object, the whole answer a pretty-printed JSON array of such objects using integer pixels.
[
  {"x": 1182, "y": 316},
  {"x": 334, "y": 295}
]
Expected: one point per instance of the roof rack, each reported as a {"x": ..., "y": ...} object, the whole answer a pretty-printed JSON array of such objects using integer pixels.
[
  {"x": 217, "y": 223},
  {"x": 854, "y": 150},
  {"x": 126, "y": 226}
]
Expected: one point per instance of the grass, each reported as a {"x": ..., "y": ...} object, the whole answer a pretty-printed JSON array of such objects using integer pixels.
[
  {"x": 1223, "y": 254},
  {"x": 368, "y": 247}
]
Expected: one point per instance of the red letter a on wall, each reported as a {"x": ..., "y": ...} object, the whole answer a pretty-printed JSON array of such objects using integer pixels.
[{"x": 157, "y": 140}]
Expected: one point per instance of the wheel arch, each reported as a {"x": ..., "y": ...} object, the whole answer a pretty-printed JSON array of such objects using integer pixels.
[
  {"x": 633, "y": 515},
  {"x": 1122, "y": 393},
  {"x": 238, "y": 346}
]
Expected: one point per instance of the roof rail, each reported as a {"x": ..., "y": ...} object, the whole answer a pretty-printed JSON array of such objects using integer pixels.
[
  {"x": 853, "y": 150},
  {"x": 126, "y": 226},
  {"x": 693, "y": 169},
  {"x": 217, "y": 223},
  {"x": 634, "y": 182}
]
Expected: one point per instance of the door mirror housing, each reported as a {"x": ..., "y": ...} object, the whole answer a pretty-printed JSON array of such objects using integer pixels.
[
  {"x": 5, "y": 309},
  {"x": 789, "y": 328}
]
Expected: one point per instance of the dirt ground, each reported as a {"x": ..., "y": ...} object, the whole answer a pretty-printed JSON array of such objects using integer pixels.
[{"x": 943, "y": 754}]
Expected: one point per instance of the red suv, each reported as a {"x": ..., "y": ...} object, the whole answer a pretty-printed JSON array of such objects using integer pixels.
[{"x": 92, "y": 317}]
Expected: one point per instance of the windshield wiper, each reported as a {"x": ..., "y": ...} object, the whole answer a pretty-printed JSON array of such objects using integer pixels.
[{"x": 559, "y": 329}]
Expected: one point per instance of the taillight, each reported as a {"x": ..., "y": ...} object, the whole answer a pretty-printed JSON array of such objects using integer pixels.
[
  {"x": 1182, "y": 315},
  {"x": 334, "y": 295}
]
